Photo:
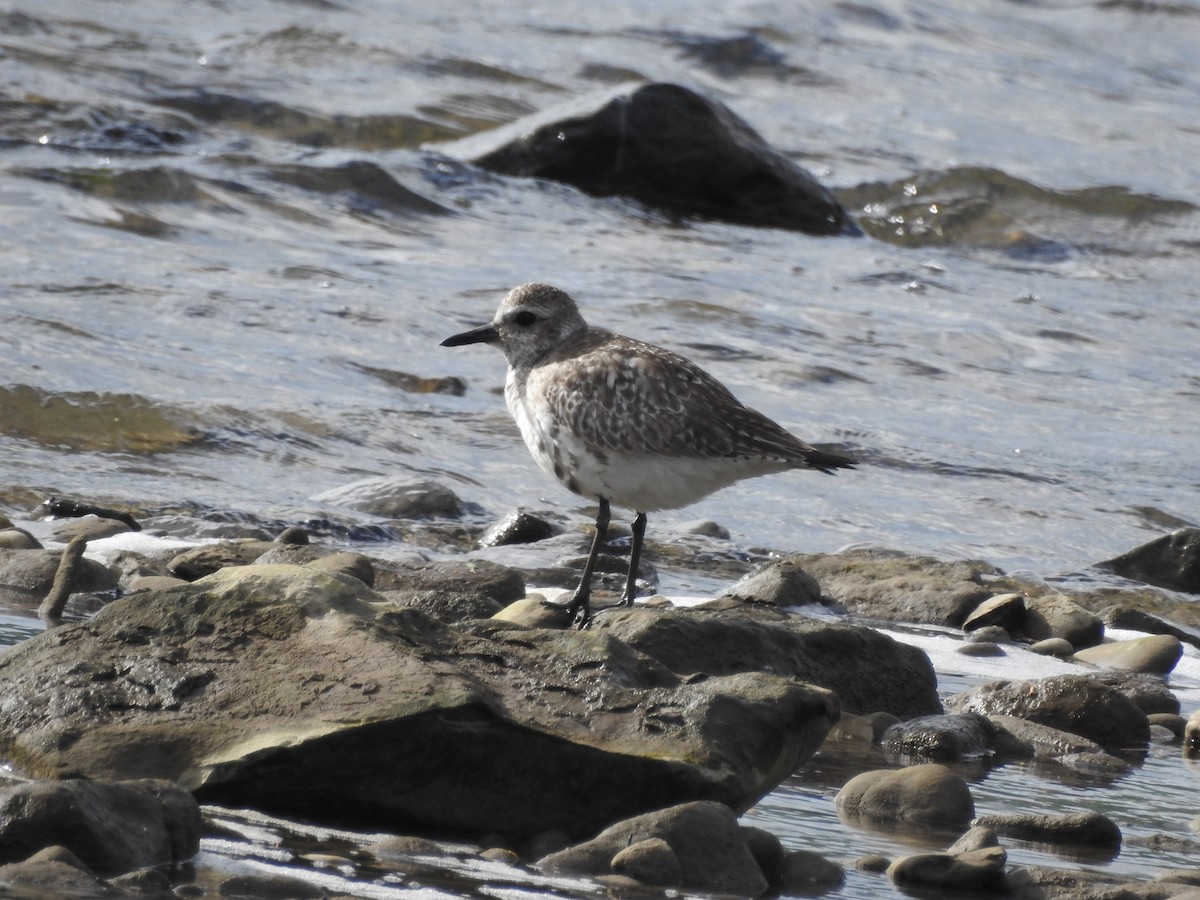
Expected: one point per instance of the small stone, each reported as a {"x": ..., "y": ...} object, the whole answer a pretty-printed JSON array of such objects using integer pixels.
[
  {"x": 518, "y": 527},
  {"x": 500, "y": 854},
  {"x": 1059, "y": 647},
  {"x": 18, "y": 539},
  {"x": 651, "y": 861},
  {"x": 706, "y": 528},
  {"x": 532, "y": 612},
  {"x": 978, "y": 837},
  {"x": 807, "y": 873},
  {"x": 401, "y": 846},
  {"x": 1056, "y": 615},
  {"x": 972, "y": 871},
  {"x": 1172, "y": 722},
  {"x": 1003, "y": 610},
  {"x": 990, "y": 634},
  {"x": 778, "y": 583},
  {"x": 872, "y": 862},
  {"x": 395, "y": 497},
  {"x": 979, "y": 648},
  {"x": 293, "y": 535}
]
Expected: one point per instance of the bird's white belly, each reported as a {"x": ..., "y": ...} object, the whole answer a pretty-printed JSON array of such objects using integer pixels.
[{"x": 640, "y": 481}]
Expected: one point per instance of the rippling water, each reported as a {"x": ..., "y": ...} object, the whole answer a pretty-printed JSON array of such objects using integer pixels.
[{"x": 232, "y": 234}]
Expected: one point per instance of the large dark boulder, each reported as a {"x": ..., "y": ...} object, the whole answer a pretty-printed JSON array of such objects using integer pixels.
[
  {"x": 295, "y": 690},
  {"x": 1078, "y": 704},
  {"x": 670, "y": 148},
  {"x": 1171, "y": 561}
]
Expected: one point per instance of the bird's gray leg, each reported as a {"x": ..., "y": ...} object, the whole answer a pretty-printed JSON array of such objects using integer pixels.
[
  {"x": 635, "y": 555},
  {"x": 579, "y": 602}
]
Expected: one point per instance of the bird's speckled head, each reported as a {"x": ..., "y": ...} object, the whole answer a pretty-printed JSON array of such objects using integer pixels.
[{"x": 532, "y": 320}]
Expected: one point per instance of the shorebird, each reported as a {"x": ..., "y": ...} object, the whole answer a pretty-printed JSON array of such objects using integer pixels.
[{"x": 624, "y": 422}]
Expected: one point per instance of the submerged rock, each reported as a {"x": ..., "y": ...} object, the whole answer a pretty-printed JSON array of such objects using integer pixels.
[
  {"x": 929, "y": 795},
  {"x": 110, "y": 826},
  {"x": 945, "y": 738},
  {"x": 1091, "y": 830},
  {"x": 705, "y": 839},
  {"x": 670, "y": 148},
  {"x": 304, "y": 692}
]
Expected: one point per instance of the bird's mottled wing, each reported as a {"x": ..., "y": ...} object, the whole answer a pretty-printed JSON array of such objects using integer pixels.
[{"x": 624, "y": 395}]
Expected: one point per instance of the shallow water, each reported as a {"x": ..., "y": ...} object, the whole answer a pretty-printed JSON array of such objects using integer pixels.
[{"x": 233, "y": 234}]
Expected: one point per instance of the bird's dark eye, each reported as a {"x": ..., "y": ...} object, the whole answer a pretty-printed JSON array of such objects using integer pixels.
[{"x": 525, "y": 318}]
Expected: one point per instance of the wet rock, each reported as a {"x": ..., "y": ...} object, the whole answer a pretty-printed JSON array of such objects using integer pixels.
[
  {"x": 474, "y": 578},
  {"x": 18, "y": 539},
  {"x": 929, "y": 796},
  {"x": 808, "y": 874},
  {"x": 395, "y": 497},
  {"x": 1003, "y": 610},
  {"x": 255, "y": 685},
  {"x": 26, "y": 576},
  {"x": 92, "y": 528},
  {"x": 533, "y": 612},
  {"x": 979, "y": 648},
  {"x": 271, "y": 887},
  {"x": 669, "y": 148},
  {"x": 1172, "y": 722},
  {"x": 1080, "y": 704},
  {"x": 767, "y": 851},
  {"x": 1131, "y": 619},
  {"x": 356, "y": 565},
  {"x": 651, "y": 861},
  {"x": 704, "y": 837},
  {"x": 399, "y": 847},
  {"x": 52, "y": 872},
  {"x": 974, "y": 870},
  {"x": 977, "y": 837},
  {"x": 873, "y": 863},
  {"x": 1149, "y": 693},
  {"x": 1087, "y": 830},
  {"x": 111, "y": 826},
  {"x": 1156, "y": 654},
  {"x": 942, "y": 738},
  {"x": 446, "y": 606},
  {"x": 518, "y": 527},
  {"x": 993, "y": 634},
  {"x": 293, "y": 535},
  {"x": 781, "y": 582},
  {"x": 868, "y": 670},
  {"x": 1171, "y": 561},
  {"x": 1057, "y": 616},
  {"x": 196, "y": 563},
  {"x": 1058, "y": 647},
  {"x": 895, "y": 587},
  {"x": 1029, "y": 739}
]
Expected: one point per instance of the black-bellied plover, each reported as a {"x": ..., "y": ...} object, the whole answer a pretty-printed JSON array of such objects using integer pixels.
[{"x": 625, "y": 422}]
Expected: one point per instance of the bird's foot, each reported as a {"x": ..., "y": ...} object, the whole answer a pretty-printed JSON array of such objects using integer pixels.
[{"x": 577, "y": 607}]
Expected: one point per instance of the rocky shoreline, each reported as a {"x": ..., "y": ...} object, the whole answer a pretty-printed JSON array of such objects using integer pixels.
[{"x": 442, "y": 702}]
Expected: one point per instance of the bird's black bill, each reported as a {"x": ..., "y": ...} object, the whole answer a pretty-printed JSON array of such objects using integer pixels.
[{"x": 486, "y": 334}]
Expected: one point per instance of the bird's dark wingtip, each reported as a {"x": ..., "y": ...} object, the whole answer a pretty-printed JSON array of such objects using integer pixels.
[{"x": 829, "y": 462}]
